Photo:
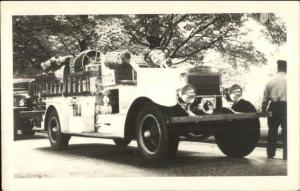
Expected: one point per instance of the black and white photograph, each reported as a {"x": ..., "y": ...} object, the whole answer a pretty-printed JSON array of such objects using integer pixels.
[{"x": 135, "y": 98}]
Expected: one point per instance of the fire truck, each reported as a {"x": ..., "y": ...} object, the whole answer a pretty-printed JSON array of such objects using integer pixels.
[{"x": 124, "y": 97}]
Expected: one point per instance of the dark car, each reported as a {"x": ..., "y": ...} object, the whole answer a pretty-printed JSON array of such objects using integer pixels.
[{"x": 22, "y": 102}]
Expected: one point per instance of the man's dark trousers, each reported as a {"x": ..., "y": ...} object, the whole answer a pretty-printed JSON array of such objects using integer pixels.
[{"x": 279, "y": 118}]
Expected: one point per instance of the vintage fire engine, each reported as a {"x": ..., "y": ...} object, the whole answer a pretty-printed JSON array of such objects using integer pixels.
[{"x": 122, "y": 97}]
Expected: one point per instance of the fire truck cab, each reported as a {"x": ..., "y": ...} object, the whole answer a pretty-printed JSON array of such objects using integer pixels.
[{"x": 122, "y": 97}]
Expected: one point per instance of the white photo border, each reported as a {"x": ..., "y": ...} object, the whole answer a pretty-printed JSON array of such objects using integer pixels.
[{"x": 289, "y": 9}]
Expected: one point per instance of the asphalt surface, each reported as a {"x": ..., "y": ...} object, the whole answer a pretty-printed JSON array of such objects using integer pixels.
[{"x": 92, "y": 157}]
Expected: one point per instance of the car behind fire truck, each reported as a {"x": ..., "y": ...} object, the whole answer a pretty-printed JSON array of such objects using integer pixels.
[
  {"x": 23, "y": 102},
  {"x": 124, "y": 97}
]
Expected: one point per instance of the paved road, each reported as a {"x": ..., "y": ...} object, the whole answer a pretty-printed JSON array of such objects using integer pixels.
[{"x": 91, "y": 157}]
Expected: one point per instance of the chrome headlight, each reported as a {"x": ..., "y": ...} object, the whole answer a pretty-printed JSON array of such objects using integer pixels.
[
  {"x": 187, "y": 94},
  {"x": 235, "y": 93},
  {"x": 208, "y": 105}
]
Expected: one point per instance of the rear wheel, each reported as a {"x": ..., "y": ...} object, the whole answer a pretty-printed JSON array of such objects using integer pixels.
[
  {"x": 58, "y": 140},
  {"x": 155, "y": 140}
]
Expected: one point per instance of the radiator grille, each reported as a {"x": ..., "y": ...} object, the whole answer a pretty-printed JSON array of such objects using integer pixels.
[{"x": 205, "y": 84}]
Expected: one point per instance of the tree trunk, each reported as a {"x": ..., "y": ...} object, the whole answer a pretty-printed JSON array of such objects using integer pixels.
[
  {"x": 83, "y": 45},
  {"x": 154, "y": 33}
]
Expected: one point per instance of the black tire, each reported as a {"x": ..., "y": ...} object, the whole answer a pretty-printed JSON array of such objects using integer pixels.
[
  {"x": 121, "y": 142},
  {"x": 58, "y": 140},
  {"x": 238, "y": 138},
  {"x": 156, "y": 141}
]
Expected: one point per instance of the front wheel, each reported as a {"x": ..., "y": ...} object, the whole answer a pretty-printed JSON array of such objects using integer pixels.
[
  {"x": 155, "y": 140},
  {"x": 58, "y": 140}
]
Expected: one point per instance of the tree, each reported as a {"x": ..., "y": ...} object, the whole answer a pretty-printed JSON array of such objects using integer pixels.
[
  {"x": 75, "y": 32},
  {"x": 37, "y": 38},
  {"x": 30, "y": 44},
  {"x": 275, "y": 27},
  {"x": 188, "y": 36}
]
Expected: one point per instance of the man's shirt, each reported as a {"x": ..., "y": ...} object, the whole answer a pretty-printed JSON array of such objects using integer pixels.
[{"x": 276, "y": 88}]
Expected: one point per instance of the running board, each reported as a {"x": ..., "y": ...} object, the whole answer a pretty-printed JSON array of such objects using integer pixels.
[{"x": 96, "y": 135}]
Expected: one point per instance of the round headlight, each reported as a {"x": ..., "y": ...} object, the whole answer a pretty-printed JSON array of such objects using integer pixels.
[
  {"x": 208, "y": 107},
  {"x": 188, "y": 94},
  {"x": 21, "y": 102},
  {"x": 235, "y": 93}
]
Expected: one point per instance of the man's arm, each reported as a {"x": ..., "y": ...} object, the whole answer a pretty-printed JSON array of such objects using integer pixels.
[{"x": 266, "y": 99}]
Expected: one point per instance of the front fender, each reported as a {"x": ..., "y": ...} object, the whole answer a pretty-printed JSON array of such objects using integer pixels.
[
  {"x": 159, "y": 85},
  {"x": 166, "y": 98}
]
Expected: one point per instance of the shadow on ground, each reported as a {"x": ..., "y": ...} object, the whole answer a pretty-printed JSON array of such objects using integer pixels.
[
  {"x": 20, "y": 137},
  {"x": 131, "y": 156}
]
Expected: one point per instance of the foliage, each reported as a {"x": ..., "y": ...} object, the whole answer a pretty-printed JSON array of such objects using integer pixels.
[
  {"x": 188, "y": 36},
  {"x": 37, "y": 38},
  {"x": 275, "y": 29},
  {"x": 30, "y": 43}
]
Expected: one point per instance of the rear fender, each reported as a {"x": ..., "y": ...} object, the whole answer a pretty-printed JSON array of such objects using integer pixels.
[{"x": 62, "y": 114}]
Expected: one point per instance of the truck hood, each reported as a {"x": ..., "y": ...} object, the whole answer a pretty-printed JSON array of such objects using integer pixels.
[{"x": 159, "y": 84}]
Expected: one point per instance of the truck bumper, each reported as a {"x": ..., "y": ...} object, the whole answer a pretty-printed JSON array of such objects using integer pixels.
[
  {"x": 218, "y": 117},
  {"x": 31, "y": 114}
]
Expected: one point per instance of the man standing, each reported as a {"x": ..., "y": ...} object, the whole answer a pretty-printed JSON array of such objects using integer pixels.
[{"x": 275, "y": 94}]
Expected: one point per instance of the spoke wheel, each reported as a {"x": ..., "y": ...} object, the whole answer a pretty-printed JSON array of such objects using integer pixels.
[
  {"x": 58, "y": 140},
  {"x": 150, "y": 133},
  {"x": 156, "y": 141},
  {"x": 53, "y": 129}
]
